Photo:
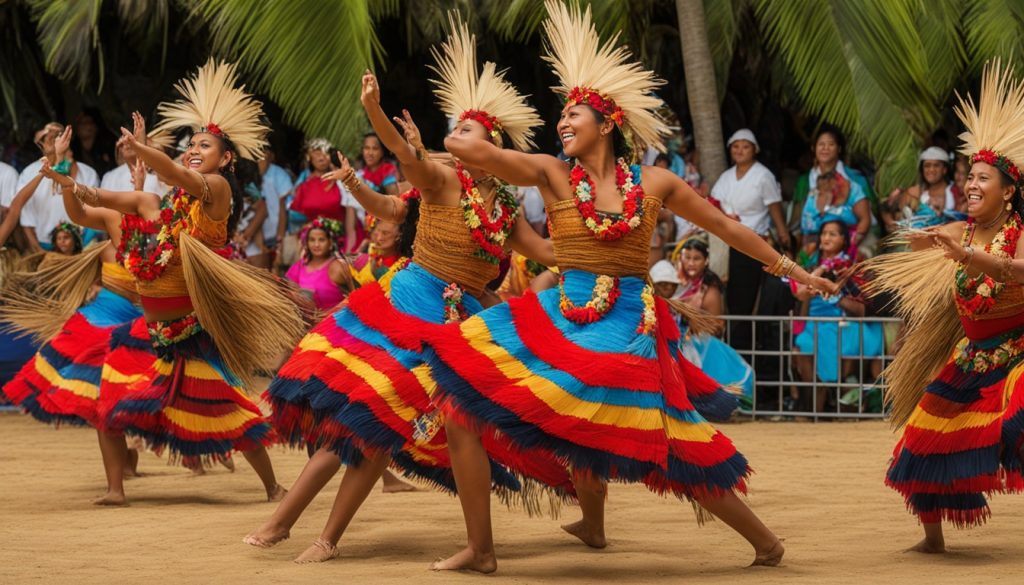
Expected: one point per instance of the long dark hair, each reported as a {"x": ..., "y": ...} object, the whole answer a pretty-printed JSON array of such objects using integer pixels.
[
  {"x": 710, "y": 278},
  {"x": 620, "y": 145},
  {"x": 407, "y": 231},
  {"x": 237, "y": 195}
]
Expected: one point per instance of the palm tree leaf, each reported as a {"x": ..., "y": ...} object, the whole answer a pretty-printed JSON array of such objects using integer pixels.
[
  {"x": 721, "y": 18},
  {"x": 994, "y": 28},
  {"x": 68, "y": 35},
  {"x": 307, "y": 55}
]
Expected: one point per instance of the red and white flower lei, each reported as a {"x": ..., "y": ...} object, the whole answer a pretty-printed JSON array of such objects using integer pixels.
[
  {"x": 604, "y": 228},
  {"x": 144, "y": 256},
  {"x": 164, "y": 333},
  {"x": 606, "y": 292},
  {"x": 489, "y": 232}
]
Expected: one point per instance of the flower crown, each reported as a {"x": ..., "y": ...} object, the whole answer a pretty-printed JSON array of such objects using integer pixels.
[
  {"x": 66, "y": 226},
  {"x": 335, "y": 232},
  {"x": 589, "y": 97},
  {"x": 999, "y": 161},
  {"x": 492, "y": 124}
]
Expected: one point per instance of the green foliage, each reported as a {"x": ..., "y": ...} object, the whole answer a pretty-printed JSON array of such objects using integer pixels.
[{"x": 69, "y": 36}]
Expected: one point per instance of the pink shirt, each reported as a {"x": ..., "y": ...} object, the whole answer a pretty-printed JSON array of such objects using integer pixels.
[{"x": 318, "y": 282}]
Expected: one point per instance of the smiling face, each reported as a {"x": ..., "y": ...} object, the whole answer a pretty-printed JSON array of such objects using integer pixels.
[
  {"x": 826, "y": 150},
  {"x": 832, "y": 239},
  {"x": 206, "y": 154},
  {"x": 933, "y": 172},
  {"x": 580, "y": 131},
  {"x": 987, "y": 192},
  {"x": 385, "y": 237},
  {"x": 319, "y": 244},
  {"x": 373, "y": 151}
]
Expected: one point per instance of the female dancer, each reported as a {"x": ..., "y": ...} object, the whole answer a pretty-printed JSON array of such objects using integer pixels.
[
  {"x": 176, "y": 375},
  {"x": 964, "y": 428},
  {"x": 465, "y": 224},
  {"x": 588, "y": 372}
]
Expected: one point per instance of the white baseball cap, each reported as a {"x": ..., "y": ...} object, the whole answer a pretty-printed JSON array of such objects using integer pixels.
[
  {"x": 933, "y": 153},
  {"x": 744, "y": 134},
  {"x": 663, "y": 271}
]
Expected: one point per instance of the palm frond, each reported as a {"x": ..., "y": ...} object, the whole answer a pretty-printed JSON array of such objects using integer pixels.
[
  {"x": 721, "y": 18},
  {"x": 307, "y": 55},
  {"x": 69, "y": 37},
  {"x": 993, "y": 29}
]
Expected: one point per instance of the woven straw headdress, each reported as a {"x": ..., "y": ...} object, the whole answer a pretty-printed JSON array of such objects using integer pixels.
[
  {"x": 212, "y": 103},
  {"x": 995, "y": 127},
  {"x": 602, "y": 76},
  {"x": 486, "y": 97}
]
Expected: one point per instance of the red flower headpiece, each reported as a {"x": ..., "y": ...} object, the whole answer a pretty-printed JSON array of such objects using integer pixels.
[
  {"x": 583, "y": 95},
  {"x": 998, "y": 161},
  {"x": 413, "y": 193},
  {"x": 212, "y": 129},
  {"x": 490, "y": 122}
]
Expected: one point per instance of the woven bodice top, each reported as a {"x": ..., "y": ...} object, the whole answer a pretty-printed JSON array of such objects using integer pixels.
[
  {"x": 577, "y": 248},
  {"x": 446, "y": 249}
]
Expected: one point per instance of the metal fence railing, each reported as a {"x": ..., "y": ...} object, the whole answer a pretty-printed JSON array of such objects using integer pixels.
[{"x": 788, "y": 383}]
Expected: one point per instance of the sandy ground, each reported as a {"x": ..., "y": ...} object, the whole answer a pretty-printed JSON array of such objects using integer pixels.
[{"x": 818, "y": 485}]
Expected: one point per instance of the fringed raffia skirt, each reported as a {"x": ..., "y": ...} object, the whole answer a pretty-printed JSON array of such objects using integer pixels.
[
  {"x": 963, "y": 440},
  {"x": 357, "y": 384},
  {"x": 167, "y": 384},
  {"x": 60, "y": 384},
  {"x": 611, "y": 398}
]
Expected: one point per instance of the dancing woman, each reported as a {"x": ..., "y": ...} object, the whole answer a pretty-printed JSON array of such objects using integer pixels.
[
  {"x": 963, "y": 428},
  {"x": 466, "y": 223},
  {"x": 591, "y": 371},
  {"x": 176, "y": 375}
]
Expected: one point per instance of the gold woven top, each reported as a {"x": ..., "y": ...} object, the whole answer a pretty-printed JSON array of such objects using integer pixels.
[
  {"x": 212, "y": 232},
  {"x": 446, "y": 249},
  {"x": 117, "y": 279},
  {"x": 576, "y": 247}
]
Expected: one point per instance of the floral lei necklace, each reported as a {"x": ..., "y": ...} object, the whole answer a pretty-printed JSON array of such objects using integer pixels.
[
  {"x": 603, "y": 226},
  {"x": 489, "y": 232},
  {"x": 978, "y": 294},
  {"x": 144, "y": 256}
]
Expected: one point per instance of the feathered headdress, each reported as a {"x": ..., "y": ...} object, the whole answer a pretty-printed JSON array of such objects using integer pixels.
[
  {"x": 485, "y": 97},
  {"x": 160, "y": 140},
  {"x": 213, "y": 104},
  {"x": 602, "y": 77},
  {"x": 995, "y": 128}
]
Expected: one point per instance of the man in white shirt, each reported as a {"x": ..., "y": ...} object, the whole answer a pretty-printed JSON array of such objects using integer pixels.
[
  {"x": 45, "y": 209},
  {"x": 8, "y": 184},
  {"x": 120, "y": 178}
]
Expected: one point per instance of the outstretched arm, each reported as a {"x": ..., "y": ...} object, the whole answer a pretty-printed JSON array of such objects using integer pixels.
[
  {"x": 133, "y": 202},
  {"x": 14, "y": 211},
  {"x": 686, "y": 203},
  {"x": 513, "y": 167},
  {"x": 528, "y": 242},
  {"x": 387, "y": 207},
  {"x": 409, "y": 150}
]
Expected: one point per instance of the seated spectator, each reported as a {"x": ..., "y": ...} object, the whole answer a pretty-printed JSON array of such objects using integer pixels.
[
  {"x": 45, "y": 209},
  {"x": 834, "y": 197},
  {"x": 707, "y": 352},
  {"x": 321, "y": 272},
  {"x": 375, "y": 170},
  {"x": 315, "y": 197},
  {"x": 383, "y": 252},
  {"x": 934, "y": 200},
  {"x": 66, "y": 239},
  {"x": 832, "y": 341}
]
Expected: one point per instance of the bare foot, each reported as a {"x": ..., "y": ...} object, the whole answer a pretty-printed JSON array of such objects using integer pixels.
[
  {"x": 266, "y": 536},
  {"x": 928, "y": 547},
  {"x": 111, "y": 499},
  {"x": 228, "y": 464},
  {"x": 467, "y": 559},
  {"x": 395, "y": 485},
  {"x": 318, "y": 552},
  {"x": 276, "y": 494},
  {"x": 589, "y": 536},
  {"x": 771, "y": 557}
]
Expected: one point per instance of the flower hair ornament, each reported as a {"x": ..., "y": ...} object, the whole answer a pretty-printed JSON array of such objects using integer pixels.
[
  {"x": 334, "y": 229},
  {"x": 212, "y": 103},
  {"x": 995, "y": 127},
  {"x": 602, "y": 76},
  {"x": 464, "y": 93},
  {"x": 73, "y": 230}
]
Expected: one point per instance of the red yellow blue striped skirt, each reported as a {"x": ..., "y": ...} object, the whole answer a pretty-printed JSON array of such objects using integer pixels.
[
  {"x": 357, "y": 384},
  {"x": 964, "y": 439},
  {"x": 60, "y": 384},
  {"x": 609, "y": 397},
  {"x": 177, "y": 394}
]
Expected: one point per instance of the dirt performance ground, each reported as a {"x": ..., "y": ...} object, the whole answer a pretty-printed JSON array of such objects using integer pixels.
[{"x": 817, "y": 485}]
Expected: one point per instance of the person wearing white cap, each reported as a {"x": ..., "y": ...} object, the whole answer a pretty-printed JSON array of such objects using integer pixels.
[
  {"x": 931, "y": 199},
  {"x": 665, "y": 279},
  {"x": 749, "y": 193}
]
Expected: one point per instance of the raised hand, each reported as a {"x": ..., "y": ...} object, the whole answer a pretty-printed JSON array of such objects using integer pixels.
[
  {"x": 62, "y": 144},
  {"x": 138, "y": 174},
  {"x": 371, "y": 92},
  {"x": 139, "y": 130},
  {"x": 410, "y": 130},
  {"x": 47, "y": 171},
  {"x": 338, "y": 174},
  {"x": 128, "y": 137}
]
